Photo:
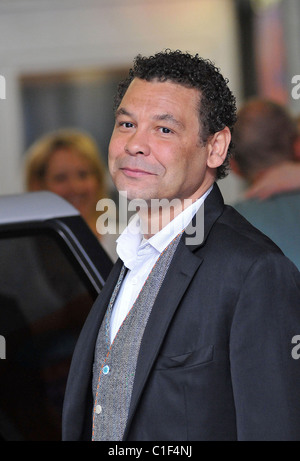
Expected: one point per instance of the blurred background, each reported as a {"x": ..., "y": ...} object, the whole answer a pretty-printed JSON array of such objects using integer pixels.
[{"x": 62, "y": 59}]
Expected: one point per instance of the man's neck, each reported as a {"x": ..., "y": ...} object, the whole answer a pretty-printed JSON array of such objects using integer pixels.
[
  {"x": 160, "y": 212},
  {"x": 153, "y": 219}
]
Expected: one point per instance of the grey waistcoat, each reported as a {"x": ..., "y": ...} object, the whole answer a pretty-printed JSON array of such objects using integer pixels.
[{"x": 115, "y": 364}]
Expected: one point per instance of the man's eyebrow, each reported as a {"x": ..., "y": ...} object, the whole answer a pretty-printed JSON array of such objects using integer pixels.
[
  {"x": 160, "y": 117},
  {"x": 168, "y": 118},
  {"x": 123, "y": 111}
]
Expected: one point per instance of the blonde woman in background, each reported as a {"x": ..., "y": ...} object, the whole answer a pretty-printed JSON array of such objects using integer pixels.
[{"x": 68, "y": 163}]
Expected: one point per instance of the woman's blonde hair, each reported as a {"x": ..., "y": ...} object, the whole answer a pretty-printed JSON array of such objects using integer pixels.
[{"x": 38, "y": 156}]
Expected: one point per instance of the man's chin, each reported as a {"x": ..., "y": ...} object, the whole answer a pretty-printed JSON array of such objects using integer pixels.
[{"x": 135, "y": 193}]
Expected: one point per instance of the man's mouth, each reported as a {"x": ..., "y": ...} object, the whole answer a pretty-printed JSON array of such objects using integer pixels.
[{"x": 135, "y": 172}]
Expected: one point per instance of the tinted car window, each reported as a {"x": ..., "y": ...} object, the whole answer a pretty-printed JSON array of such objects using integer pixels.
[{"x": 44, "y": 301}]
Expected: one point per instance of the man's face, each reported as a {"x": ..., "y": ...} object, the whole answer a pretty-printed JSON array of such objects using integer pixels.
[{"x": 155, "y": 150}]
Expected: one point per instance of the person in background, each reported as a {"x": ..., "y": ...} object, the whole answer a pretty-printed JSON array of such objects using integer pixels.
[
  {"x": 191, "y": 336},
  {"x": 68, "y": 163},
  {"x": 284, "y": 177},
  {"x": 266, "y": 139}
]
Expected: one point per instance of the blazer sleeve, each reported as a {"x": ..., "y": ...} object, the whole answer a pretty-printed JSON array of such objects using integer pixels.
[{"x": 265, "y": 373}]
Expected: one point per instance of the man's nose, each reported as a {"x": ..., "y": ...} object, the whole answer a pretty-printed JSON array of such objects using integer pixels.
[{"x": 138, "y": 143}]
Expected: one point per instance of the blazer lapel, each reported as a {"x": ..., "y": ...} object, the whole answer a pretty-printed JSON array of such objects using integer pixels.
[
  {"x": 88, "y": 335},
  {"x": 204, "y": 220},
  {"x": 103, "y": 299},
  {"x": 77, "y": 417}
]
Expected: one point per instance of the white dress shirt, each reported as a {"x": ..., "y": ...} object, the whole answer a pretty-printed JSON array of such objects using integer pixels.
[{"x": 139, "y": 256}]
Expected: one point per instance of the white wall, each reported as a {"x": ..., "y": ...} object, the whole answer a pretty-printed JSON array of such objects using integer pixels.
[{"x": 61, "y": 35}]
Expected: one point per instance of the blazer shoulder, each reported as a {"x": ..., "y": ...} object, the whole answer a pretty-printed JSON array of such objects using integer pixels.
[{"x": 239, "y": 237}]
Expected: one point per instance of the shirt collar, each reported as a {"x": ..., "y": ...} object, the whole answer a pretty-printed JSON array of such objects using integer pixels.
[
  {"x": 129, "y": 242},
  {"x": 131, "y": 239}
]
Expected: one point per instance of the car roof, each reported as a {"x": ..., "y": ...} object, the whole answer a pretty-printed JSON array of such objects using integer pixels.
[{"x": 34, "y": 206}]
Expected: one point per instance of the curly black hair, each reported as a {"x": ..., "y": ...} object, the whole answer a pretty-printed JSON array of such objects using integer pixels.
[{"x": 217, "y": 105}]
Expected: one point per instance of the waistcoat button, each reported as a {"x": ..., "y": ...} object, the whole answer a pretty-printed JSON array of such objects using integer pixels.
[
  {"x": 98, "y": 409},
  {"x": 106, "y": 370}
]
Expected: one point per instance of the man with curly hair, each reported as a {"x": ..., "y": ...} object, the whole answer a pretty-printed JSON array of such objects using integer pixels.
[{"x": 193, "y": 333}]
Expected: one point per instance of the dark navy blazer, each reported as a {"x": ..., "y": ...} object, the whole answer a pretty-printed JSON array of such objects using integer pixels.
[{"x": 216, "y": 360}]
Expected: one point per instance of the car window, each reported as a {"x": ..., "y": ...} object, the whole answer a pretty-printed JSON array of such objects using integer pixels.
[{"x": 44, "y": 300}]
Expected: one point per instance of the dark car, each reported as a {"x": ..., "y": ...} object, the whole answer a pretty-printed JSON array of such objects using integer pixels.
[{"x": 52, "y": 268}]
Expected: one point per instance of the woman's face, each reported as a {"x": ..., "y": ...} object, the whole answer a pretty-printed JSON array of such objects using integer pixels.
[{"x": 71, "y": 176}]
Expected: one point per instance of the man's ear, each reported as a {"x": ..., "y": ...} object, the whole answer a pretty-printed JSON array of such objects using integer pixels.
[{"x": 218, "y": 147}]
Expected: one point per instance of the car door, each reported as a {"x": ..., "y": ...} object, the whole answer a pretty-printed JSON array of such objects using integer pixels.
[{"x": 52, "y": 268}]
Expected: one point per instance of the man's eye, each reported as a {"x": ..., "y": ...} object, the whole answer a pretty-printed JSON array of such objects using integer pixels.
[
  {"x": 126, "y": 124},
  {"x": 165, "y": 130}
]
